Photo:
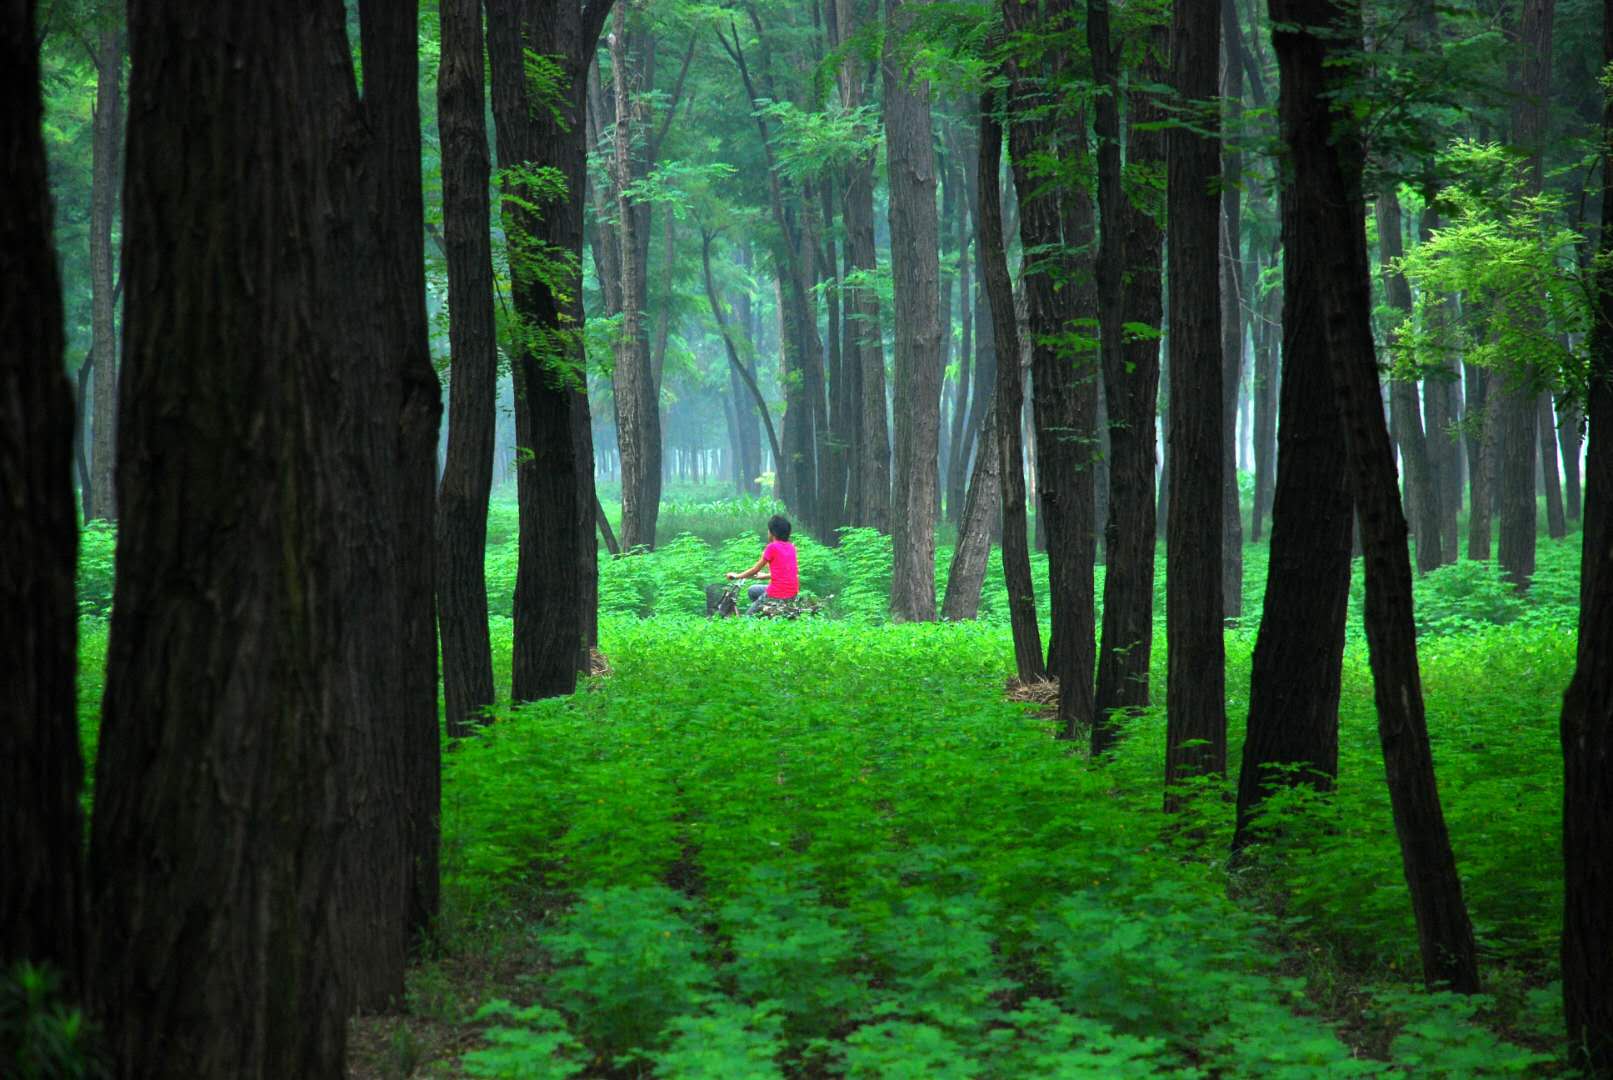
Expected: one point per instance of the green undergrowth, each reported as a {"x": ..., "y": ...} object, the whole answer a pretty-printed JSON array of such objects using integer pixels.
[{"x": 829, "y": 848}]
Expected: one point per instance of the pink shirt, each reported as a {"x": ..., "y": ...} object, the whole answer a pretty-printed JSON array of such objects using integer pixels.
[{"x": 780, "y": 558}]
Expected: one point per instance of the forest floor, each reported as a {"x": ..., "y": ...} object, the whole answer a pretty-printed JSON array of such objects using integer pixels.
[{"x": 836, "y": 848}]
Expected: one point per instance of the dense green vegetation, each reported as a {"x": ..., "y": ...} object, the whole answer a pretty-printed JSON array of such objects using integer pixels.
[{"x": 761, "y": 849}]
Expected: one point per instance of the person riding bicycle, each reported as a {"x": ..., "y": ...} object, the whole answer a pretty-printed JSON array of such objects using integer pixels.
[{"x": 779, "y": 557}]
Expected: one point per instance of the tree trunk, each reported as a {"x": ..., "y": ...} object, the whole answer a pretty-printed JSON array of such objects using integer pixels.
[
  {"x": 1479, "y": 424},
  {"x": 981, "y": 507},
  {"x": 106, "y": 142},
  {"x": 1518, "y": 431},
  {"x": 1129, "y": 292},
  {"x": 467, "y": 479},
  {"x": 210, "y": 856},
  {"x": 915, "y": 273},
  {"x": 81, "y": 459},
  {"x": 738, "y": 370},
  {"x": 1568, "y": 440},
  {"x": 1055, "y": 222},
  {"x": 1587, "y": 717},
  {"x": 1008, "y": 403},
  {"x": 1420, "y": 490},
  {"x": 1546, "y": 424},
  {"x": 1326, "y": 162},
  {"x": 1196, "y": 723},
  {"x": 41, "y": 772},
  {"x": 966, "y": 417},
  {"x": 556, "y": 586},
  {"x": 1232, "y": 308},
  {"x": 844, "y": 404},
  {"x": 1265, "y": 392}
]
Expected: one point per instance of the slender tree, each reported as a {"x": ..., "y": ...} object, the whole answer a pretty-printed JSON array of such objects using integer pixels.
[
  {"x": 1233, "y": 306},
  {"x": 1313, "y": 40},
  {"x": 915, "y": 274},
  {"x": 41, "y": 770},
  {"x": 1196, "y": 725},
  {"x": 467, "y": 476},
  {"x": 107, "y": 141}
]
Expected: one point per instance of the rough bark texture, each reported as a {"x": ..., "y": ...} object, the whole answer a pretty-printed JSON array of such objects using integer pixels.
[
  {"x": 1131, "y": 242},
  {"x": 1196, "y": 687},
  {"x": 980, "y": 510},
  {"x": 1055, "y": 223},
  {"x": 915, "y": 277},
  {"x": 1408, "y": 424},
  {"x": 1480, "y": 429},
  {"x": 1008, "y": 400},
  {"x": 969, "y": 402},
  {"x": 1326, "y": 160},
  {"x": 41, "y": 771},
  {"x": 106, "y": 141},
  {"x": 246, "y": 717},
  {"x": 1299, "y": 649},
  {"x": 556, "y": 584},
  {"x": 467, "y": 476},
  {"x": 1587, "y": 717},
  {"x": 1440, "y": 414},
  {"x": 1518, "y": 430}
]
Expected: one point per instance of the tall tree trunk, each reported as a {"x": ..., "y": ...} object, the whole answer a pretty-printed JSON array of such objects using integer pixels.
[
  {"x": 1568, "y": 441},
  {"x": 467, "y": 479},
  {"x": 1587, "y": 716},
  {"x": 1518, "y": 430},
  {"x": 1440, "y": 412},
  {"x": 969, "y": 557},
  {"x": 41, "y": 771},
  {"x": 915, "y": 273},
  {"x": 1479, "y": 417},
  {"x": 1232, "y": 311},
  {"x": 1196, "y": 722},
  {"x": 1420, "y": 490},
  {"x": 1546, "y": 425},
  {"x": 106, "y": 143},
  {"x": 556, "y": 585},
  {"x": 638, "y": 412},
  {"x": 1129, "y": 293},
  {"x": 966, "y": 418},
  {"x": 1008, "y": 395},
  {"x": 81, "y": 459},
  {"x": 1316, "y": 38},
  {"x": 1055, "y": 222},
  {"x": 1265, "y": 392},
  {"x": 210, "y": 856},
  {"x": 844, "y": 404}
]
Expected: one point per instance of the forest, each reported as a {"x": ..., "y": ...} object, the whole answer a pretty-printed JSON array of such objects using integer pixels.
[{"x": 749, "y": 539}]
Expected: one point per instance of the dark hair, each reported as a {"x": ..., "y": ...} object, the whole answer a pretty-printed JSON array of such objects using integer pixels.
[{"x": 779, "y": 526}]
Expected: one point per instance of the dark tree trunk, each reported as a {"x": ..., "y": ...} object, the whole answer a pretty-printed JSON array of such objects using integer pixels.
[
  {"x": 1518, "y": 431},
  {"x": 638, "y": 410},
  {"x": 41, "y": 772},
  {"x": 915, "y": 273},
  {"x": 467, "y": 478},
  {"x": 1196, "y": 722},
  {"x": 973, "y": 549},
  {"x": 1232, "y": 309},
  {"x": 1546, "y": 424},
  {"x": 1292, "y": 735},
  {"x": 1479, "y": 417},
  {"x": 1312, "y": 51},
  {"x": 556, "y": 585},
  {"x": 1055, "y": 222},
  {"x": 1587, "y": 717},
  {"x": 81, "y": 399},
  {"x": 968, "y": 402},
  {"x": 1129, "y": 253},
  {"x": 844, "y": 404},
  {"x": 106, "y": 142},
  {"x": 1265, "y": 390},
  {"x": 212, "y": 857},
  {"x": 1568, "y": 440},
  {"x": 1421, "y": 492},
  {"x": 1008, "y": 400},
  {"x": 1444, "y": 446}
]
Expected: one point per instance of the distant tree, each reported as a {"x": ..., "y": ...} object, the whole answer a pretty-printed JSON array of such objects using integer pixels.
[
  {"x": 467, "y": 475},
  {"x": 1587, "y": 716},
  {"x": 1313, "y": 39},
  {"x": 1196, "y": 723},
  {"x": 538, "y": 61},
  {"x": 915, "y": 273},
  {"x": 1008, "y": 398},
  {"x": 41, "y": 770},
  {"x": 107, "y": 154}
]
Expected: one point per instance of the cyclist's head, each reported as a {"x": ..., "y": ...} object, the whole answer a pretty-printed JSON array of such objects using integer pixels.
[{"x": 779, "y": 526}]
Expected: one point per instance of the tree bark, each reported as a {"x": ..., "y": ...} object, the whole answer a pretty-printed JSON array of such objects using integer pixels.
[
  {"x": 1479, "y": 425},
  {"x": 1440, "y": 411},
  {"x": 1009, "y": 405},
  {"x": 1232, "y": 312},
  {"x": 981, "y": 508},
  {"x": 1568, "y": 441},
  {"x": 556, "y": 586},
  {"x": 1420, "y": 490},
  {"x": 1587, "y": 716},
  {"x": 467, "y": 478},
  {"x": 41, "y": 771},
  {"x": 295, "y": 312},
  {"x": 106, "y": 143},
  {"x": 1546, "y": 425},
  {"x": 1055, "y": 222},
  {"x": 1129, "y": 292},
  {"x": 915, "y": 274},
  {"x": 1265, "y": 390},
  {"x": 1196, "y": 723},
  {"x": 1316, "y": 38}
]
